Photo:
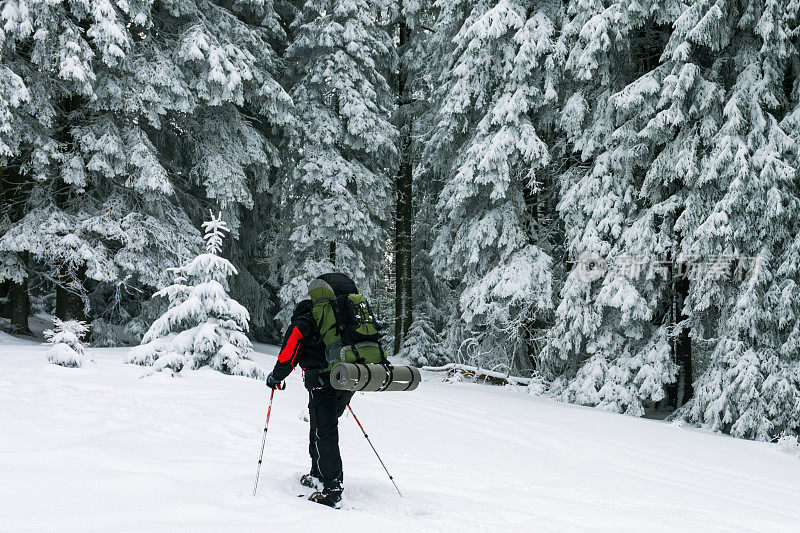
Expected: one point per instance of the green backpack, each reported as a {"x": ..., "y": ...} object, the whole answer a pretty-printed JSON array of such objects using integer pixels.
[{"x": 345, "y": 321}]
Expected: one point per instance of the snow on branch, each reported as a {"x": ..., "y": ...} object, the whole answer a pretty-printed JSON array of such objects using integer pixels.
[{"x": 214, "y": 235}]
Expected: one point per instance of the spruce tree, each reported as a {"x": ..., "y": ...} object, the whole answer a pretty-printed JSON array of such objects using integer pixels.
[
  {"x": 483, "y": 142},
  {"x": 203, "y": 325},
  {"x": 65, "y": 344},
  {"x": 611, "y": 343},
  {"x": 744, "y": 207},
  {"x": 335, "y": 202},
  {"x": 114, "y": 113}
]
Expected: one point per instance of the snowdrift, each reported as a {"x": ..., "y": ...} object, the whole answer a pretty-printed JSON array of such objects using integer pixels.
[{"x": 99, "y": 449}]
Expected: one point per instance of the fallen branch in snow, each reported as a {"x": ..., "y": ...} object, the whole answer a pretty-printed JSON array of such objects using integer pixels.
[{"x": 488, "y": 376}]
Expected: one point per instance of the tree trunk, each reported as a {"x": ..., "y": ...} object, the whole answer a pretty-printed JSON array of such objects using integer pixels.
[
  {"x": 403, "y": 304},
  {"x": 682, "y": 346},
  {"x": 12, "y": 193},
  {"x": 5, "y": 286},
  {"x": 19, "y": 302},
  {"x": 681, "y": 391},
  {"x": 536, "y": 205},
  {"x": 19, "y": 306},
  {"x": 398, "y": 292},
  {"x": 69, "y": 305}
]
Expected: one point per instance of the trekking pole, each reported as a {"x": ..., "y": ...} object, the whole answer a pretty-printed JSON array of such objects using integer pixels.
[
  {"x": 374, "y": 450},
  {"x": 264, "y": 440}
]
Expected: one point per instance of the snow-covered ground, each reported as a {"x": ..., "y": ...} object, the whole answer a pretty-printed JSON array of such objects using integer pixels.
[{"x": 99, "y": 449}]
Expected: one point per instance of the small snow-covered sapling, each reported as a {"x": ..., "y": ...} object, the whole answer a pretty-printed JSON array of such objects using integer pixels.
[{"x": 64, "y": 339}]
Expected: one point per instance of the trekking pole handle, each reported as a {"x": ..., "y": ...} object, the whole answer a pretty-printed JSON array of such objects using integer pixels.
[{"x": 269, "y": 410}]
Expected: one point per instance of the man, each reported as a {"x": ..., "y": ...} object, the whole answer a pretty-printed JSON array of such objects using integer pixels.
[{"x": 303, "y": 346}]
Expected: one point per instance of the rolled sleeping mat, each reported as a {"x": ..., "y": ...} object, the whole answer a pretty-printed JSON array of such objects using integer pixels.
[
  {"x": 404, "y": 378},
  {"x": 357, "y": 377},
  {"x": 372, "y": 377}
]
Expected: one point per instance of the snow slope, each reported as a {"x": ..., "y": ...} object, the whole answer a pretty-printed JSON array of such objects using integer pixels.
[{"x": 99, "y": 449}]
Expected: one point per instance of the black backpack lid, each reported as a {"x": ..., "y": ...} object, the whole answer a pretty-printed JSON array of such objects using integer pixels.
[{"x": 340, "y": 283}]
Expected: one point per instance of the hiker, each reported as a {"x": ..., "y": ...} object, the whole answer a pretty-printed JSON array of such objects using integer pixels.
[{"x": 303, "y": 346}]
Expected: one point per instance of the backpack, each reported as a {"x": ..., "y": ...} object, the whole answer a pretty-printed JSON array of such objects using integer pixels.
[{"x": 345, "y": 321}]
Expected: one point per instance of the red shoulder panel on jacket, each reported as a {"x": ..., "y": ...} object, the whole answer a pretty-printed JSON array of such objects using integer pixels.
[{"x": 292, "y": 348}]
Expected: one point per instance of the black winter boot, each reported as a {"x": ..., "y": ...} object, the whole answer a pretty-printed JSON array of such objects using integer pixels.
[{"x": 329, "y": 497}]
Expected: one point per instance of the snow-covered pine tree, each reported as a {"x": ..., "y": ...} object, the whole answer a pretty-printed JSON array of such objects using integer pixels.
[
  {"x": 422, "y": 344},
  {"x": 98, "y": 202},
  {"x": 495, "y": 82},
  {"x": 702, "y": 166},
  {"x": 745, "y": 205},
  {"x": 219, "y": 62},
  {"x": 203, "y": 325},
  {"x": 107, "y": 111},
  {"x": 611, "y": 342},
  {"x": 65, "y": 344},
  {"x": 335, "y": 203}
]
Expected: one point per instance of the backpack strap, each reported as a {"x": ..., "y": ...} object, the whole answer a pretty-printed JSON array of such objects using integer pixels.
[
  {"x": 389, "y": 378},
  {"x": 375, "y": 323},
  {"x": 384, "y": 360},
  {"x": 315, "y": 337}
]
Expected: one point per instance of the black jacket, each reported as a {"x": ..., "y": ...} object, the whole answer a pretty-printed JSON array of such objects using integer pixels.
[{"x": 302, "y": 344}]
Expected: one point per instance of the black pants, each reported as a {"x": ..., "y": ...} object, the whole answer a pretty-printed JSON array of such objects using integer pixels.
[{"x": 325, "y": 406}]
